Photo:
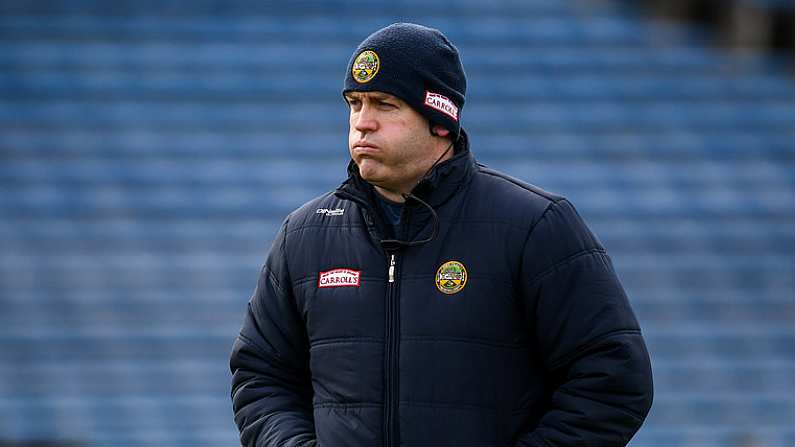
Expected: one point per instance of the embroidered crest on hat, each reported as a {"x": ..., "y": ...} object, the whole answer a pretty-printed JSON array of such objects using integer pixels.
[
  {"x": 451, "y": 277},
  {"x": 365, "y": 66},
  {"x": 441, "y": 103}
]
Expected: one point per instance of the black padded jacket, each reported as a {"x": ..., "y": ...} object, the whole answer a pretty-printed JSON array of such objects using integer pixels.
[{"x": 354, "y": 340}]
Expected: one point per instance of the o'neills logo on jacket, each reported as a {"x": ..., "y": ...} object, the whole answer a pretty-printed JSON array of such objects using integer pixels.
[
  {"x": 339, "y": 278},
  {"x": 441, "y": 103}
]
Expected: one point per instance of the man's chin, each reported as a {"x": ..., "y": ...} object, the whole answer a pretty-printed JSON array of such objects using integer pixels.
[
  {"x": 369, "y": 171},
  {"x": 372, "y": 179}
]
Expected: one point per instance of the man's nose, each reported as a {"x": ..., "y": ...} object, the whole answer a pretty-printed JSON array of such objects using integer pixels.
[{"x": 365, "y": 120}]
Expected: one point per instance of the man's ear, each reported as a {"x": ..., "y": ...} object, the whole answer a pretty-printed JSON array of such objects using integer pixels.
[{"x": 439, "y": 131}]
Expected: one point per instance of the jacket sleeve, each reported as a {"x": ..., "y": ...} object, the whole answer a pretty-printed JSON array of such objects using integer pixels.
[
  {"x": 271, "y": 385},
  {"x": 588, "y": 337}
]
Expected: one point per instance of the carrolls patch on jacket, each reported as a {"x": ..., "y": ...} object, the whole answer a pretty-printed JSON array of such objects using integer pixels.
[
  {"x": 451, "y": 277},
  {"x": 338, "y": 278}
]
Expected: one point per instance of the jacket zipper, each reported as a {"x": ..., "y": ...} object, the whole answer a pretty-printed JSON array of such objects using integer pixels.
[
  {"x": 391, "y": 404},
  {"x": 392, "y": 341},
  {"x": 392, "y": 333}
]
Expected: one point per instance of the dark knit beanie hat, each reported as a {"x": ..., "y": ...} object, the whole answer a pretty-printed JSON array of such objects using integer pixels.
[{"x": 417, "y": 64}]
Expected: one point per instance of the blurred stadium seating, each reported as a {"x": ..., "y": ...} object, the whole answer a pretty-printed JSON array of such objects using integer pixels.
[
  {"x": 149, "y": 150},
  {"x": 757, "y": 25}
]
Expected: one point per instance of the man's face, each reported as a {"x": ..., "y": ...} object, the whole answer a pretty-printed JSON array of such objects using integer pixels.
[{"x": 388, "y": 140}]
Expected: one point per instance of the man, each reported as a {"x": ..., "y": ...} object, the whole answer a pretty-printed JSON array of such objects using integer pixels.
[{"x": 431, "y": 301}]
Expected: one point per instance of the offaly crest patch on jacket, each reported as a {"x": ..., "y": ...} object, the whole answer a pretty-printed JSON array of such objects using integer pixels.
[
  {"x": 338, "y": 278},
  {"x": 451, "y": 277}
]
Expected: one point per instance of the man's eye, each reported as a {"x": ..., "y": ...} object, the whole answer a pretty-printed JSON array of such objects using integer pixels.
[{"x": 386, "y": 105}]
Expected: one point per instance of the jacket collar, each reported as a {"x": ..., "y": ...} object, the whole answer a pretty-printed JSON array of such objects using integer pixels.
[{"x": 439, "y": 185}]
